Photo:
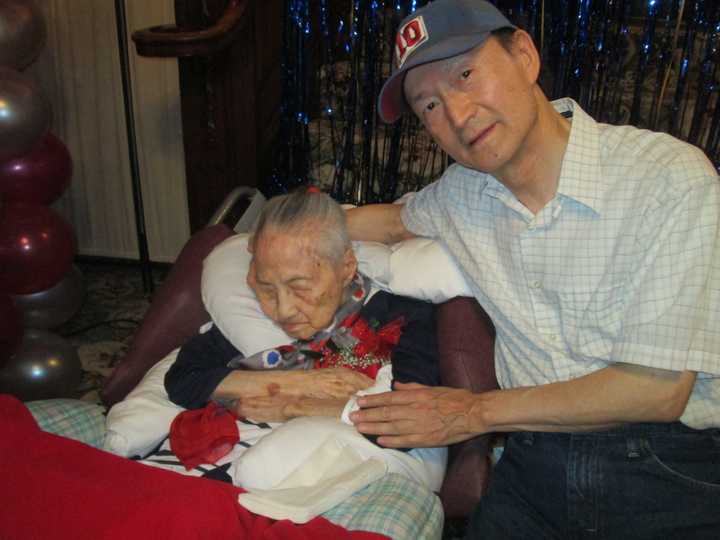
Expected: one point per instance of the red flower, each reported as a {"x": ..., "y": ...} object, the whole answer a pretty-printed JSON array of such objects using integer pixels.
[
  {"x": 365, "y": 335},
  {"x": 370, "y": 371},
  {"x": 361, "y": 349},
  {"x": 350, "y": 320},
  {"x": 371, "y": 345}
]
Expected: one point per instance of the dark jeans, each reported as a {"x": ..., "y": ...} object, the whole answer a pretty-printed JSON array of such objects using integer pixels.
[{"x": 659, "y": 481}]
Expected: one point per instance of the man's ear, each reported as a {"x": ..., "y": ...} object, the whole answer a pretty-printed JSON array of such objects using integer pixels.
[
  {"x": 525, "y": 52},
  {"x": 349, "y": 266}
]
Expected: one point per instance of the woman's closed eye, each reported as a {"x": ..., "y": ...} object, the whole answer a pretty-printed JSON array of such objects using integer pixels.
[{"x": 266, "y": 291}]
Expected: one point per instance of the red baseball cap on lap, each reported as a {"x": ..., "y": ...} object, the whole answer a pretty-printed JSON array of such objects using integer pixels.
[{"x": 439, "y": 30}]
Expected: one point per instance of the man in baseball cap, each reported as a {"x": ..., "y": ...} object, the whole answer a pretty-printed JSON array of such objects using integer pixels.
[
  {"x": 437, "y": 32},
  {"x": 594, "y": 250}
]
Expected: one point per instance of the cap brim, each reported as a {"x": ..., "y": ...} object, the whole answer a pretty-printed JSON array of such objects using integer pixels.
[{"x": 391, "y": 102}]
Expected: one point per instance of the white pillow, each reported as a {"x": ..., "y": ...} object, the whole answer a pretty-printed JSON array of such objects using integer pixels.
[
  {"x": 140, "y": 422},
  {"x": 278, "y": 454},
  {"x": 423, "y": 268},
  {"x": 232, "y": 304},
  {"x": 420, "y": 268}
]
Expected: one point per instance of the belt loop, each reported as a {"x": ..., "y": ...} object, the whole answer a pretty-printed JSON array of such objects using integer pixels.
[{"x": 634, "y": 445}]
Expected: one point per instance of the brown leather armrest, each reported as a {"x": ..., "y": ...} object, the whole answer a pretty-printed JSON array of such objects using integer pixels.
[
  {"x": 176, "y": 314},
  {"x": 466, "y": 339}
]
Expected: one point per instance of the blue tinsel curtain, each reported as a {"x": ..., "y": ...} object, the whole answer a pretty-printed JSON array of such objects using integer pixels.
[{"x": 650, "y": 63}]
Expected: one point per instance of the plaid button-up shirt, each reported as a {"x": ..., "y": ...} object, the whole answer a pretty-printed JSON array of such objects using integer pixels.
[{"x": 622, "y": 265}]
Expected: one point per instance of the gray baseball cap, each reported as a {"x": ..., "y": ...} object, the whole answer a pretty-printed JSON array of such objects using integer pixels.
[{"x": 441, "y": 29}]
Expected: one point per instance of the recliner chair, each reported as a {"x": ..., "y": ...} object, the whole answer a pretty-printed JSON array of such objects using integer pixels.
[{"x": 465, "y": 334}]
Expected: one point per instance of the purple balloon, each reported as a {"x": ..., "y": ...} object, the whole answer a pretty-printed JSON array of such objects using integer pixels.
[
  {"x": 24, "y": 114},
  {"x": 40, "y": 176},
  {"x": 37, "y": 247},
  {"x": 45, "y": 366},
  {"x": 54, "y": 306},
  {"x": 22, "y": 33}
]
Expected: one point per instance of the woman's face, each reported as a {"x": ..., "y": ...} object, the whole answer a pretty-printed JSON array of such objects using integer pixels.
[{"x": 297, "y": 288}]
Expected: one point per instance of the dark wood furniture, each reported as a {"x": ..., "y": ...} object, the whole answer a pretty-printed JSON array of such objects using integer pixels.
[{"x": 229, "y": 55}]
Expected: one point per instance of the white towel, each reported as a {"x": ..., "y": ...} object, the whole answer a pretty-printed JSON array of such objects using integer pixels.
[{"x": 329, "y": 476}]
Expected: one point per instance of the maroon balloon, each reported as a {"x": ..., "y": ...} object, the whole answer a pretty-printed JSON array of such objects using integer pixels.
[
  {"x": 10, "y": 328},
  {"x": 40, "y": 176},
  {"x": 37, "y": 247}
]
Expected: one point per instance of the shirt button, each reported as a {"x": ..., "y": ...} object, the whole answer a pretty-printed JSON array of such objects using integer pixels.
[
  {"x": 536, "y": 284},
  {"x": 554, "y": 338}
]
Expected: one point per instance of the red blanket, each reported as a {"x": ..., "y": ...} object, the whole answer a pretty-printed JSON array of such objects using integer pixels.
[{"x": 55, "y": 488}]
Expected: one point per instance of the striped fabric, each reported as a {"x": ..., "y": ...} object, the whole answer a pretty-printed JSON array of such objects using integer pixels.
[
  {"x": 72, "y": 418},
  {"x": 393, "y": 505},
  {"x": 250, "y": 433}
]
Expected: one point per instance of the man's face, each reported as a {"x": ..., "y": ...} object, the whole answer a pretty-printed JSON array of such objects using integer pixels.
[
  {"x": 478, "y": 106},
  {"x": 298, "y": 289}
]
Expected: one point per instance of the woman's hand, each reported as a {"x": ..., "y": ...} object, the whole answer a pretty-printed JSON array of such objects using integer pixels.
[
  {"x": 264, "y": 408},
  {"x": 330, "y": 383},
  {"x": 333, "y": 383},
  {"x": 281, "y": 407}
]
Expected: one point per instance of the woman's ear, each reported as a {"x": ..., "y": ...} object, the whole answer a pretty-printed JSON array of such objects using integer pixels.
[{"x": 349, "y": 266}]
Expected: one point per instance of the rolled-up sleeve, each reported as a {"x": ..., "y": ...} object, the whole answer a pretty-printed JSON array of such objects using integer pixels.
[{"x": 672, "y": 320}]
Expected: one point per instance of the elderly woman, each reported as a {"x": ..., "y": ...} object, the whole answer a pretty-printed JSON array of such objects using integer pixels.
[{"x": 304, "y": 274}]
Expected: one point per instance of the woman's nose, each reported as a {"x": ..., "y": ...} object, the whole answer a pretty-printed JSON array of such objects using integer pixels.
[{"x": 285, "y": 306}]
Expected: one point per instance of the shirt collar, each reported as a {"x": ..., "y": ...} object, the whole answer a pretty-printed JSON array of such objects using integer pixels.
[{"x": 580, "y": 174}]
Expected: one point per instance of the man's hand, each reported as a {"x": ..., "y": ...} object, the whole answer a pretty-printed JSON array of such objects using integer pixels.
[{"x": 415, "y": 416}]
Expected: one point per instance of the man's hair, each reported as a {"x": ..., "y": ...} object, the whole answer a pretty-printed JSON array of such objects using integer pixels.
[
  {"x": 505, "y": 36},
  {"x": 307, "y": 212}
]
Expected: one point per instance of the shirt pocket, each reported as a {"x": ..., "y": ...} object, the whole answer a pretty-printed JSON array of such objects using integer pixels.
[{"x": 591, "y": 320}]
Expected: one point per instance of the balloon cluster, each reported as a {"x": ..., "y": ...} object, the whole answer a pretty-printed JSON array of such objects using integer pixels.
[{"x": 40, "y": 288}]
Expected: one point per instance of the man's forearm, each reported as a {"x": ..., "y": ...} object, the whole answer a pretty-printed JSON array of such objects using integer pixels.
[
  {"x": 615, "y": 395},
  {"x": 377, "y": 223}
]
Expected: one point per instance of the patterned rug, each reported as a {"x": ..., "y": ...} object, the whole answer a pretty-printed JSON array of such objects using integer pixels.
[{"x": 103, "y": 328}]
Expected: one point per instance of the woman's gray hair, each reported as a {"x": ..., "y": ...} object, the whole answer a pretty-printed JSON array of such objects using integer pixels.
[{"x": 307, "y": 211}]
